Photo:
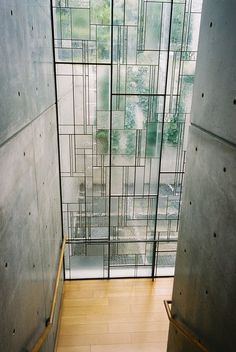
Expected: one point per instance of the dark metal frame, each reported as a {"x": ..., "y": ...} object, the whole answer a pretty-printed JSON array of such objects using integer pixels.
[
  {"x": 57, "y": 124},
  {"x": 156, "y": 240}
]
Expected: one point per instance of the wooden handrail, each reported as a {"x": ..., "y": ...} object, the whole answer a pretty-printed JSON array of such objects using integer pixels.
[
  {"x": 192, "y": 338},
  {"x": 49, "y": 321}
]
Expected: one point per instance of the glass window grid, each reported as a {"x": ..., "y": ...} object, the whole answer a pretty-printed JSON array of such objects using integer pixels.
[{"x": 124, "y": 101}]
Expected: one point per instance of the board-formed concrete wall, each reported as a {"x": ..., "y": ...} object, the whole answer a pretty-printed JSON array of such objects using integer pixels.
[
  {"x": 205, "y": 282},
  {"x": 30, "y": 218}
]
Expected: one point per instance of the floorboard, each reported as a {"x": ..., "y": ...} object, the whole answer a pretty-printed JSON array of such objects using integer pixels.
[{"x": 114, "y": 316}]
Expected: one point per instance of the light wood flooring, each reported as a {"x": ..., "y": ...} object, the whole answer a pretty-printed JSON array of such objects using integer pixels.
[{"x": 114, "y": 316}]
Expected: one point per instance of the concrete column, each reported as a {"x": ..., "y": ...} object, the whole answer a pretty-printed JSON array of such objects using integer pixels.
[{"x": 205, "y": 283}]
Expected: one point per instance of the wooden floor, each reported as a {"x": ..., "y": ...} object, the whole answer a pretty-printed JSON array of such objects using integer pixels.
[{"x": 114, "y": 316}]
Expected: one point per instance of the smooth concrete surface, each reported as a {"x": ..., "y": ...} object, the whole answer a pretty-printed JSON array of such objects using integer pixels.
[
  {"x": 30, "y": 218},
  {"x": 205, "y": 282},
  {"x": 26, "y": 63},
  {"x": 205, "y": 279},
  {"x": 214, "y": 96}
]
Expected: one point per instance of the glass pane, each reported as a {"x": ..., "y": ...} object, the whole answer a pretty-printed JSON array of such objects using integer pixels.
[
  {"x": 83, "y": 260},
  {"x": 153, "y": 26},
  {"x": 165, "y": 264},
  {"x": 169, "y": 196},
  {"x": 130, "y": 259},
  {"x": 80, "y": 23},
  {"x": 177, "y": 26},
  {"x": 124, "y": 88}
]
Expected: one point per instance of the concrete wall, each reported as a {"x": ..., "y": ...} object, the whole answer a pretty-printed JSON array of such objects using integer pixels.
[
  {"x": 30, "y": 232},
  {"x": 205, "y": 282}
]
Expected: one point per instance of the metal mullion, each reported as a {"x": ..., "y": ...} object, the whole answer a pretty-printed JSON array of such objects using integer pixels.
[
  {"x": 181, "y": 51},
  {"x": 85, "y": 198},
  {"x": 162, "y": 128},
  {"x": 136, "y": 55},
  {"x": 150, "y": 171},
  {"x": 57, "y": 126},
  {"x": 82, "y": 63},
  {"x": 139, "y": 94},
  {"x": 84, "y": 98},
  {"x": 180, "y": 149},
  {"x": 88, "y": 99},
  {"x": 78, "y": 240},
  {"x": 108, "y": 63},
  {"x": 157, "y": 251},
  {"x": 145, "y": 165},
  {"x": 110, "y": 146},
  {"x": 135, "y": 163},
  {"x": 154, "y": 259},
  {"x": 118, "y": 278}
]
